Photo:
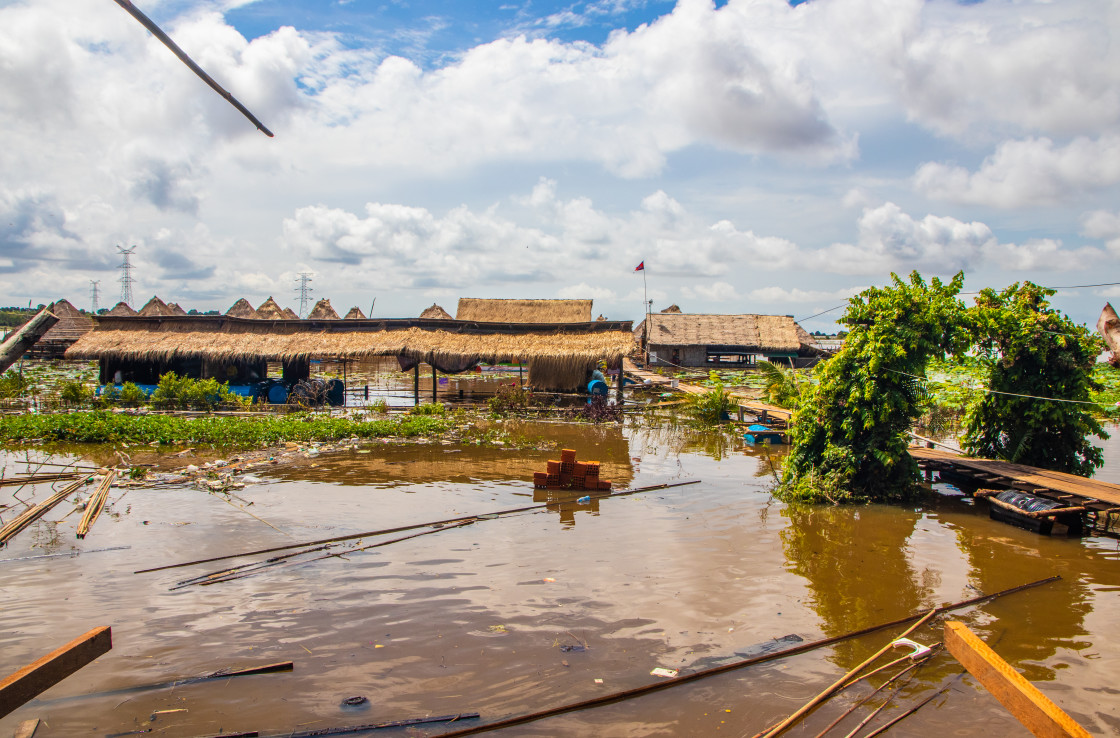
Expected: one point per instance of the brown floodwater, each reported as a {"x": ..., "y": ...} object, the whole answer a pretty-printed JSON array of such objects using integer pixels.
[{"x": 483, "y": 618}]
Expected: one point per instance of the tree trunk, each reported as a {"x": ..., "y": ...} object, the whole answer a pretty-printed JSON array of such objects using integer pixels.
[
  {"x": 1109, "y": 327},
  {"x": 26, "y": 336}
]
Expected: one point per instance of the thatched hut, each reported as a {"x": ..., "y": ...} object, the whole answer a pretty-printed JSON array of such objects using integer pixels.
[
  {"x": 175, "y": 309},
  {"x": 290, "y": 314},
  {"x": 155, "y": 308},
  {"x": 674, "y": 308},
  {"x": 725, "y": 341},
  {"x": 435, "y": 312},
  {"x": 72, "y": 324},
  {"x": 558, "y": 354},
  {"x": 242, "y": 309},
  {"x": 323, "y": 311},
  {"x": 523, "y": 311},
  {"x": 270, "y": 310},
  {"x": 355, "y": 314},
  {"x": 121, "y": 310}
]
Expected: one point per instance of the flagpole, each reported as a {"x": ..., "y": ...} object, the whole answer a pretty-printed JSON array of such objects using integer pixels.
[{"x": 645, "y": 299}]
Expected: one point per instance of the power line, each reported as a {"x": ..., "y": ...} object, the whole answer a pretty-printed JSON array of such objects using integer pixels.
[
  {"x": 94, "y": 303},
  {"x": 126, "y": 279},
  {"x": 997, "y": 392},
  {"x": 305, "y": 291}
]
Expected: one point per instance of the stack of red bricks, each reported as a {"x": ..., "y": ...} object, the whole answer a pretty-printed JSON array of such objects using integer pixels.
[{"x": 567, "y": 473}]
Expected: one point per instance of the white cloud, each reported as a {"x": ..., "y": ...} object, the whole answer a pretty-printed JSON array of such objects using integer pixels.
[
  {"x": 781, "y": 294},
  {"x": 1026, "y": 173},
  {"x": 714, "y": 292},
  {"x": 583, "y": 290},
  {"x": 1105, "y": 226}
]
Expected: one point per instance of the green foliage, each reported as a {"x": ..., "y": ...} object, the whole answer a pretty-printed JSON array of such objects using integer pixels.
[
  {"x": 76, "y": 393},
  {"x": 780, "y": 385},
  {"x": 1107, "y": 378},
  {"x": 380, "y": 405},
  {"x": 430, "y": 408},
  {"x": 711, "y": 406},
  {"x": 12, "y": 385},
  {"x": 174, "y": 391},
  {"x": 1029, "y": 348},
  {"x": 130, "y": 395},
  {"x": 849, "y": 439},
  {"x": 510, "y": 398},
  {"x": 109, "y": 427}
]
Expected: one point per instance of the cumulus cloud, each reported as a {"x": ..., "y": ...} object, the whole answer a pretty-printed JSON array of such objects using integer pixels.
[
  {"x": 714, "y": 292},
  {"x": 797, "y": 295},
  {"x": 1103, "y": 225},
  {"x": 1024, "y": 173}
]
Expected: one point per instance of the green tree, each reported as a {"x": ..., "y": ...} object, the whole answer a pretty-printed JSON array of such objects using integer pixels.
[
  {"x": 1029, "y": 348},
  {"x": 849, "y": 436}
]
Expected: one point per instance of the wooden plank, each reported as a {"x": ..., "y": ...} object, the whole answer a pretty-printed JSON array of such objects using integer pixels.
[
  {"x": 26, "y": 729},
  {"x": 1021, "y": 698},
  {"x": 35, "y": 678}
]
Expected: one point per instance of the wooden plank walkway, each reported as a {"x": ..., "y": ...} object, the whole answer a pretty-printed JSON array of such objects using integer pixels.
[
  {"x": 763, "y": 411},
  {"x": 1071, "y": 489}
]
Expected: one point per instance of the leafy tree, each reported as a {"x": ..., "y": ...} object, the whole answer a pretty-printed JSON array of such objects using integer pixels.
[
  {"x": 1031, "y": 349},
  {"x": 849, "y": 438}
]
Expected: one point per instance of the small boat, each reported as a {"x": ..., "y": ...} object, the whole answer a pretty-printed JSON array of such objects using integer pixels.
[{"x": 758, "y": 433}]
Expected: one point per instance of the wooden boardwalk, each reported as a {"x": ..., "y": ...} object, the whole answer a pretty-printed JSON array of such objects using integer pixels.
[
  {"x": 761, "y": 410},
  {"x": 1100, "y": 500}
]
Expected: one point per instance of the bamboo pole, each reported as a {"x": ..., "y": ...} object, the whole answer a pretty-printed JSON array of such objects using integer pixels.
[
  {"x": 782, "y": 726},
  {"x": 96, "y": 504},
  {"x": 29, "y": 516}
]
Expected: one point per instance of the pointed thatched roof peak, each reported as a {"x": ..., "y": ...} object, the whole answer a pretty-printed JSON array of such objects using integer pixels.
[
  {"x": 270, "y": 310},
  {"x": 323, "y": 311},
  {"x": 355, "y": 314},
  {"x": 242, "y": 309},
  {"x": 155, "y": 307},
  {"x": 72, "y": 323},
  {"x": 121, "y": 310},
  {"x": 175, "y": 309},
  {"x": 435, "y": 312},
  {"x": 290, "y": 314},
  {"x": 674, "y": 308}
]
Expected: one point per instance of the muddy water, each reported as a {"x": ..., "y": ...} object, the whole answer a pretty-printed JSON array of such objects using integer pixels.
[{"x": 477, "y": 618}]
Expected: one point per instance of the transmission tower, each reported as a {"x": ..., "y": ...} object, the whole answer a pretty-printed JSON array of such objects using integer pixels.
[
  {"x": 94, "y": 302},
  {"x": 126, "y": 279},
  {"x": 305, "y": 291}
]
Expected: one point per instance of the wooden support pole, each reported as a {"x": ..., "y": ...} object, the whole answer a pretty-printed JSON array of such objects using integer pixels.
[
  {"x": 35, "y": 678},
  {"x": 26, "y": 337},
  {"x": 1021, "y": 698},
  {"x": 433, "y": 384},
  {"x": 416, "y": 384}
]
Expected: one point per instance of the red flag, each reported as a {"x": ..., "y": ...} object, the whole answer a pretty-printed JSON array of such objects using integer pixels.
[{"x": 641, "y": 267}]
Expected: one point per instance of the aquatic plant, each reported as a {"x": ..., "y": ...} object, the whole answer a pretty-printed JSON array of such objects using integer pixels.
[
  {"x": 176, "y": 392},
  {"x": 12, "y": 384},
  {"x": 711, "y": 406},
  {"x": 781, "y": 385},
  {"x": 510, "y": 398},
  {"x": 429, "y": 408}
]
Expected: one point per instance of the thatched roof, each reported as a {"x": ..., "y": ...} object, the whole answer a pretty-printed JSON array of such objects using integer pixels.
[
  {"x": 270, "y": 310},
  {"x": 355, "y": 314},
  {"x": 121, "y": 310},
  {"x": 290, "y": 314},
  {"x": 155, "y": 308},
  {"x": 242, "y": 309},
  {"x": 226, "y": 338},
  {"x": 72, "y": 324},
  {"x": 523, "y": 311},
  {"x": 763, "y": 332},
  {"x": 674, "y": 308},
  {"x": 175, "y": 309},
  {"x": 323, "y": 311},
  {"x": 435, "y": 312}
]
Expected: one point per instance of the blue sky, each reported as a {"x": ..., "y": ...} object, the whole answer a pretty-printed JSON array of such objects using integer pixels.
[{"x": 759, "y": 156}]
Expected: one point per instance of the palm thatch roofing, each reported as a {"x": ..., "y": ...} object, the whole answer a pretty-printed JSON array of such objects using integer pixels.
[
  {"x": 290, "y": 314},
  {"x": 242, "y": 309},
  {"x": 270, "y": 310},
  {"x": 674, "y": 308},
  {"x": 435, "y": 312},
  {"x": 72, "y": 324},
  {"x": 523, "y": 311},
  {"x": 121, "y": 310},
  {"x": 226, "y": 338},
  {"x": 155, "y": 308},
  {"x": 323, "y": 311},
  {"x": 175, "y": 309},
  {"x": 355, "y": 314},
  {"x": 777, "y": 333}
]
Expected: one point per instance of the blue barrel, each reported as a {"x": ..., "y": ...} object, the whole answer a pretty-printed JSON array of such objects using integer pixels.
[
  {"x": 277, "y": 394},
  {"x": 597, "y": 388}
]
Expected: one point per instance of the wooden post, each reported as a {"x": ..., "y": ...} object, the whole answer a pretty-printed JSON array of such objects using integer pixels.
[
  {"x": 416, "y": 384},
  {"x": 1021, "y": 698},
  {"x": 433, "y": 384},
  {"x": 35, "y": 678},
  {"x": 520, "y": 374},
  {"x": 26, "y": 337},
  {"x": 621, "y": 381}
]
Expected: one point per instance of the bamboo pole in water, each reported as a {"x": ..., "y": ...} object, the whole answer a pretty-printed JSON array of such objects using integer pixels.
[
  {"x": 29, "y": 516},
  {"x": 96, "y": 504}
]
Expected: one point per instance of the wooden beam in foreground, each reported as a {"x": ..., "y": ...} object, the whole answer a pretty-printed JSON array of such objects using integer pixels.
[
  {"x": 35, "y": 678},
  {"x": 1021, "y": 698}
]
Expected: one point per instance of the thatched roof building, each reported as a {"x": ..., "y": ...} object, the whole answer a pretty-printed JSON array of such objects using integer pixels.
[
  {"x": 685, "y": 339},
  {"x": 121, "y": 310},
  {"x": 155, "y": 308},
  {"x": 290, "y": 314},
  {"x": 355, "y": 314},
  {"x": 674, "y": 308},
  {"x": 435, "y": 312},
  {"x": 175, "y": 309},
  {"x": 270, "y": 310},
  {"x": 558, "y": 354},
  {"x": 323, "y": 311},
  {"x": 242, "y": 309},
  {"x": 523, "y": 311},
  {"x": 72, "y": 324}
]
